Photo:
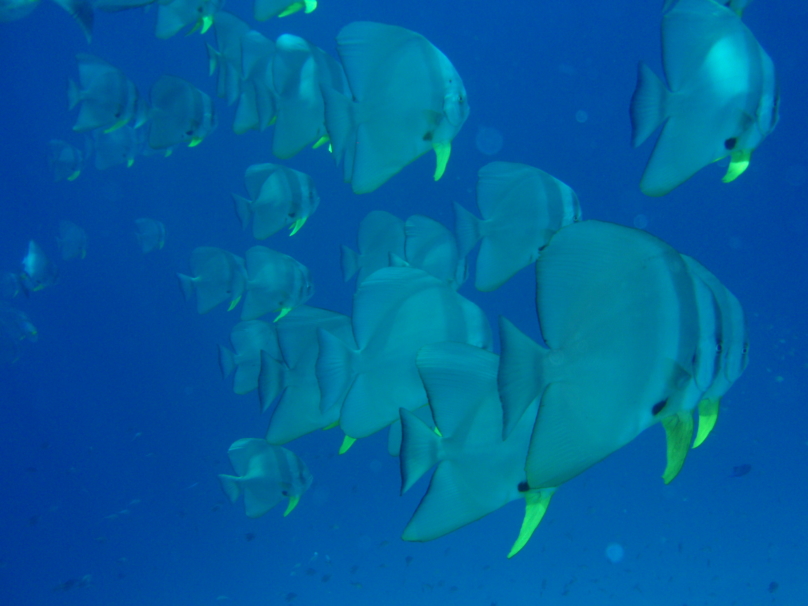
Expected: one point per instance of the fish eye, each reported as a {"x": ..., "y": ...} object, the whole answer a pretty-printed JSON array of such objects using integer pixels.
[
  {"x": 285, "y": 493},
  {"x": 731, "y": 143},
  {"x": 657, "y": 408},
  {"x": 523, "y": 487},
  {"x": 719, "y": 347}
]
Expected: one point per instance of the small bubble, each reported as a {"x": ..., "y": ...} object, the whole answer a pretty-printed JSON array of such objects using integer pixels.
[
  {"x": 615, "y": 552},
  {"x": 581, "y": 116},
  {"x": 640, "y": 221},
  {"x": 489, "y": 140}
]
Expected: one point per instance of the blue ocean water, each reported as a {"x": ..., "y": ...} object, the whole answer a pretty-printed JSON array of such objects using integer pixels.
[{"x": 115, "y": 422}]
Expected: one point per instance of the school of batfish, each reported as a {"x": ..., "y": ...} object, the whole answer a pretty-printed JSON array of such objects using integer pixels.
[{"x": 634, "y": 332}]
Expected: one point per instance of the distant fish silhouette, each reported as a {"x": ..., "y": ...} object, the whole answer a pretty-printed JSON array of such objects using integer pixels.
[{"x": 741, "y": 470}]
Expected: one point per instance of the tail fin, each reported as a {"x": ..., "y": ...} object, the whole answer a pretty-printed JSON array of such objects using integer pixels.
[
  {"x": 349, "y": 259},
  {"x": 243, "y": 210},
  {"x": 647, "y": 105},
  {"x": 419, "y": 449},
  {"x": 187, "y": 286},
  {"x": 230, "y": 486},
  {"x": 82, "y": 12},
  {"x": 467, "y": 229},
  {"x": 271, "y": 380},
  {"x": 334, "y": 372},
  {"x": 340, "y": 127},
  {"x": 226, "y": 361},
  {"x": 519, "y": 379},
  {"x": 73, "y": 93}
]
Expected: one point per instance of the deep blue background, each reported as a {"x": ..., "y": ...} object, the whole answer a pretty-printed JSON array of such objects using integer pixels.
[{"x": 119, "y": 405}]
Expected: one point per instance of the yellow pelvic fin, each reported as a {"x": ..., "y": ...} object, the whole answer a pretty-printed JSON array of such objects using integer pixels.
[
  {"x": 321, "y": 141},
  {"x": 74, "y": 176},
  {"x": 116, "y": 126},
  {"x": 739, "y": 162},
  {"x": 437, "y": 432},
  {"x": 207, "y": 21},
  {"x": 679, "y": 434},
  {"x": 283, "y": 312},
  {"x": 708, "y": 415},
  {"x": 331, "y": 425},
  {"x": 291, "y": 9},
  {"x": 233, "y": 303},
  {"x": 130, "y": 162},
  {"x": 442, "y": 153},
  {"x": 347, "y": 442},
  {"x": 297, "y": 225},
  {"x": 536, "y": 503},
  {"x": 196, "y": 26},
  {"x": 195, "y": 141},
  {"x": 293, "y": 501},
  {"x": 310, "y": 5}
]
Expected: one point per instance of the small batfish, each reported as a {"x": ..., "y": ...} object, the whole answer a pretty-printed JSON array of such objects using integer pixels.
[
  {"x": 521, "y": 207},
  {"x": 279, "y": 197},
  {"x": 117, "y": 147},
  {"x": 249, "y": 339},
  {"x": 433, "y": 248},
  {"x": 180, "y": 113},
  {"x": 300, "y": 72},
  {"x": 150, "y": 234},
  {"x": 407, "y": 99},
  {"x": 72, "y": 241},
  {"x": 298, "y": 410},
  {"x": 380, "y": 236},
  {"x": 38, "y": 271},
  {"x": 15, "y": 327},
  {"x": 108, "y": 98},
  {"x": 227, "y": 56},
  {"x": 66, "y": 161},
  {"x": 266, "y": 474},
  {"x": 275, "y": 283},
  {"x": 723, "y": 98},
  {"x": 257, "y": 103},
  {"x": 397, "y": 310},
  {"x": 218, "y": 276}
]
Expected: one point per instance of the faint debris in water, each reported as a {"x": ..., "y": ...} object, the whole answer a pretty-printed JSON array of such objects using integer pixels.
[
  {"x": 741, "y": 470},
  {"x": 85, "y": 581}
]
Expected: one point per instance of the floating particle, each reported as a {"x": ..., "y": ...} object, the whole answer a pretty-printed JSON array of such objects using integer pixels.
[
  {"x": 489, "y": 140},
  {"x": 615, "y": 552},
  {"x": 741, "y": 470}
]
